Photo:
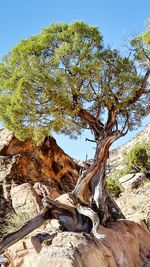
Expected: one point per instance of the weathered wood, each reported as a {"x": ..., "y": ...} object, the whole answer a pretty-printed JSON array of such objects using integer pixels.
[
  {"x": 90, "y": 186},
  {"x": 22, "y": 232},
  {"x": 68, "y": 217}
]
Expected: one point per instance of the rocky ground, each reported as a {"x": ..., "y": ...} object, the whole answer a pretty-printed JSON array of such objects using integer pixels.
[
  {"x": 126, "y": 244},
  {"x": 135, "y": 203},
  {"x": 29, "y": 172}
]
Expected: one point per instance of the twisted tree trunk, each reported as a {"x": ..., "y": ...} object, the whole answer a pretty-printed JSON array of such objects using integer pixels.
[{"x": 90, "y": 188}]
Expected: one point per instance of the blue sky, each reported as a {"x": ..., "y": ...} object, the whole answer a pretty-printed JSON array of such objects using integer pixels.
[{"x": 116, "y": 19}]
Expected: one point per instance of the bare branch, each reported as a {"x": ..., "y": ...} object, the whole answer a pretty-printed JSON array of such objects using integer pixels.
[
  {"x": 87, "y": 139},
  {"x": 146, "y": 91}
]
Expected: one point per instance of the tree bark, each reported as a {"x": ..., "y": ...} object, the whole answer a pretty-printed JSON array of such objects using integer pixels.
[{"x": 90, "y": 188}]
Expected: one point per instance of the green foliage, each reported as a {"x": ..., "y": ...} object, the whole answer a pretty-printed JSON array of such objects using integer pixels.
[
  {"x": 146, "y": 35},
  {"x": 116, "y": 174},
  {"x": 40, "y": 75},
  {"x": 113, "y": 186},
  {"x": 141, "y": 46},
  {"x": 46, "y": 80},
  {"x": 137, "y": 159},
  {"x": 12, "y": 222}
]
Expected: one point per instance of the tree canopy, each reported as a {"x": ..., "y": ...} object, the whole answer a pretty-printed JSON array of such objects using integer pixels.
[{"x": 65, "y": 80}]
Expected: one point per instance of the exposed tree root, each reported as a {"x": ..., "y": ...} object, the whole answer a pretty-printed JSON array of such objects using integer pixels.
[
  {"x": 23, "y": 231},
  {"x": 80, "y": 218},
  {"x": 69, "y": 218}
]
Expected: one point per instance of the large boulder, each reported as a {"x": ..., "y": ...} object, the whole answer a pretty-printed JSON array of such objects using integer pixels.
[
  {"x": 43, "y": 162},
  {"x": 46, "y": 164},
  {"x": 29, "y": 172},
  {"x": 126, "y": 244}
]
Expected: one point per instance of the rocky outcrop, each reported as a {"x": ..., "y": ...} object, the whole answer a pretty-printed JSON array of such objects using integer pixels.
[
  {"x": 126, "y": 244},
  {"x": 46, "y": 164},
  {"x": 29, "y": 172},
  {"x": 25, "y": 199},
  {"x": 132, "y": 180},
  {"x": 39, "y": 163}
]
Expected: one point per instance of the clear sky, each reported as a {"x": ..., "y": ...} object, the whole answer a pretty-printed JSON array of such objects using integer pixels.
[{"x": 116, "y": 19}]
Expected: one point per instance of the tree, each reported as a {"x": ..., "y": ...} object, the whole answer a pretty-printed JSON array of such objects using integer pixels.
[{"x": 65, "y": 80}]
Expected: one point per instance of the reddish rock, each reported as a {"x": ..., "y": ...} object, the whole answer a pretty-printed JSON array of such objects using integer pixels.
[
  {"x": 28, "y": 172},
  {"x": 47, "y": 163},
  {"x": 127, "y": 244}
]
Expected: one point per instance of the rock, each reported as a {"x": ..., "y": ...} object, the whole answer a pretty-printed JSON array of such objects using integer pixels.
[
  {"x": 65, "y": 199},
  {"x": 25, "y": 199},
  {"x": 51, "y": 191},
  {"x": 4, "y": 204},
  {"x": 134, "y": 203},
  {"x": 43, "y": 163},
  {"x": 46, "y": 166},
  {"x": 126, "y": 244},
  {"x": 133, "y": 180},
  {"x": 4, "y": 261},
  {"x": 5, "y": 138},
  {"x": 7, "y": 165},
  {"x": 27, "y": 162}
]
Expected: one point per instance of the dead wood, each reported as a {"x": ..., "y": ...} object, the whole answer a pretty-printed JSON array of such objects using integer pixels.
[{"x": 68, "y": 217}]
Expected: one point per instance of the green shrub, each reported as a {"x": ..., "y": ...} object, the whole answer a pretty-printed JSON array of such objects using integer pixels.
[
  {"x": 137, "y": 159},
  {"x": 113, "y": 186}
]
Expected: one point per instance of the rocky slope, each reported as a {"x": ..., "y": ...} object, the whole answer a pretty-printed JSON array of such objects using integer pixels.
[
  {"x": 135, "y": 203},
  {"x": 134, "y": 200}
]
